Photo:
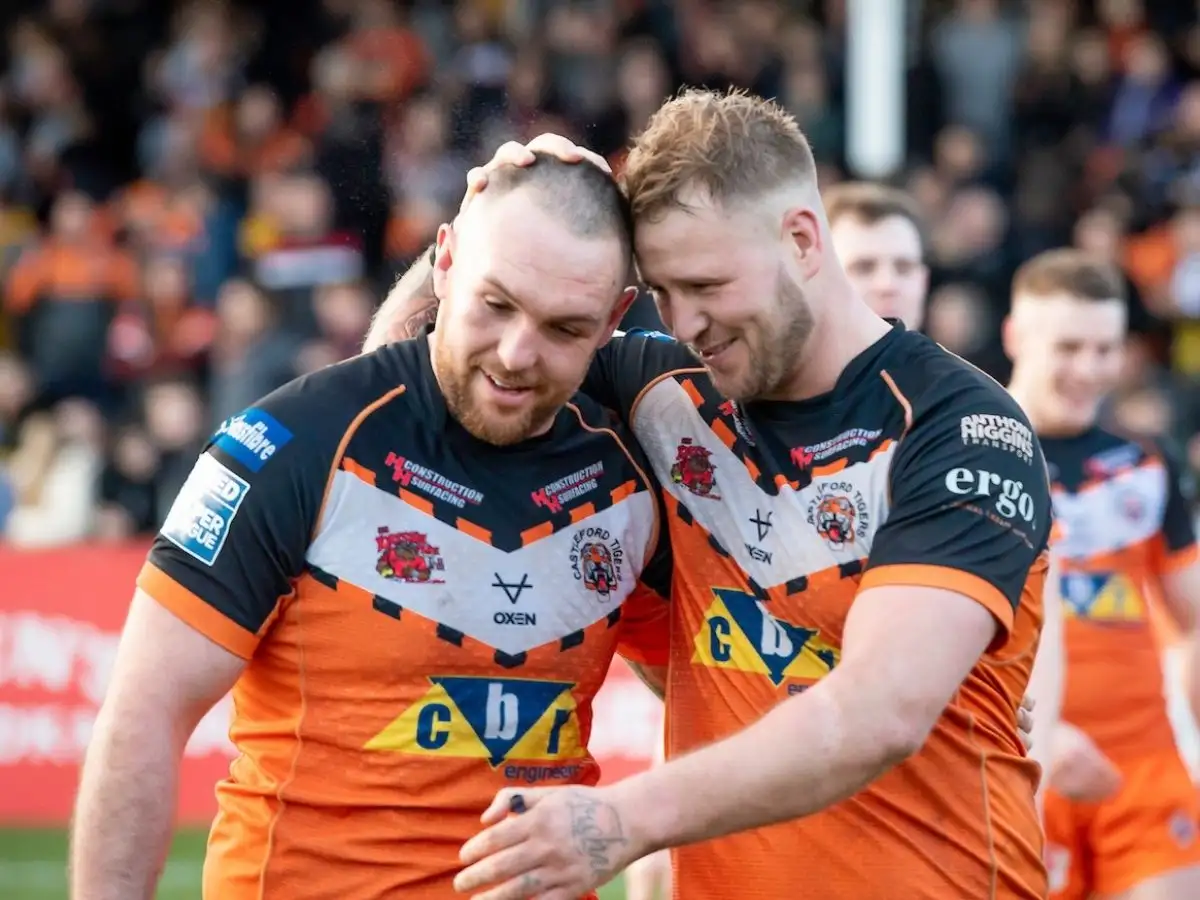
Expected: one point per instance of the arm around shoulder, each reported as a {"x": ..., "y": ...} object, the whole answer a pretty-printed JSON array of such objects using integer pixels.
[{"x": 409, "y": 306}]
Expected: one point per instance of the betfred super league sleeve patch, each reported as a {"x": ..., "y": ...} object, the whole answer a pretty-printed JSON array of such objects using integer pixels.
[
  {"x": 252, "y": 437},
  {"x": 199, "y": 520}
]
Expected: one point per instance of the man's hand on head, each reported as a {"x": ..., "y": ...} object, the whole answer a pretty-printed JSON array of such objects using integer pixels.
[
  {"x": 411, "y": 304},
  {"x": 515, "y": 154}
]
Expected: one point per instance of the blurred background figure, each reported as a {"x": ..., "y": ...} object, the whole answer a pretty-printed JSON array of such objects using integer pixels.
[{"x": 217, "y": 193}]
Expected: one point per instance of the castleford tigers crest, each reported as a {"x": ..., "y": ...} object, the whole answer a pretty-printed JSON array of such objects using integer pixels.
[
  {"x": 407, "y": 556},
  {"x": 839, "y": 514},
  {"x": 834, "y": 520},
  {"x": 694, "y": 470},
  {"x": 596, "y": 568},
  {"x": 597, "y": 559}
]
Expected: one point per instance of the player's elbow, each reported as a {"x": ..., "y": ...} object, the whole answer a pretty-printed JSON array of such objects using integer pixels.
[
  {"x": 903, "y": 731},
  {"x": 898, "y": 739}
]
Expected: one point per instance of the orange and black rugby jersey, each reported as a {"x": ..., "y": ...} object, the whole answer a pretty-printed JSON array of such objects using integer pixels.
[
  {"x": 426, "y": 619},
  {"x": 917, "y": 469},
  {"x": 1126, "y": 522}
]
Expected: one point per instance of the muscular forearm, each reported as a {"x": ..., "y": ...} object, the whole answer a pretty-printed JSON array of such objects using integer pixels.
[
  {"x": 808, "y": 753},
  {"x": 122, "y": 823},
  {"x": 408, "y": 307}
]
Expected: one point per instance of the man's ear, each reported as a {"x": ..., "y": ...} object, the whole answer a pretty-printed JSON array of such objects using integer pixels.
[
  {"x": 618, "y": 313},
  {"x": 443, "y": 258},
  {"x": 803, "y": 228}
]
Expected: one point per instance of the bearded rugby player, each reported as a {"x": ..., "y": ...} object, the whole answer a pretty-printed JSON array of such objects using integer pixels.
[
  {"x": 412, "y": 569},
  {"x": 864, "y": 519}
]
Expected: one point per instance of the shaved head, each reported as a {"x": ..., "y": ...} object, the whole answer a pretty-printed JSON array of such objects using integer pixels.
[{"x": 585, "y": 200}]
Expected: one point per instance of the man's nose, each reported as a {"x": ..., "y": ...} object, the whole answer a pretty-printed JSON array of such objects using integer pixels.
[{"x": 518, "y": 349}]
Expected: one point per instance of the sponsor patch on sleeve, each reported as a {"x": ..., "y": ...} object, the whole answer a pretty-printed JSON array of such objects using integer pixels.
[
  {"x": 199, "y": 520},
  {"x": 252, "y": 437}
]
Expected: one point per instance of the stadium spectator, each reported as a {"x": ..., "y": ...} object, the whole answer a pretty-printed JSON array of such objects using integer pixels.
[{"x": 183, "y": 190}]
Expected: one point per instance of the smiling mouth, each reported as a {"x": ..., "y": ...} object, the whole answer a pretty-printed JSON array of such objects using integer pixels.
[
  {"x": 711, "y": 352},
  {"x": 505, "y": 388}
]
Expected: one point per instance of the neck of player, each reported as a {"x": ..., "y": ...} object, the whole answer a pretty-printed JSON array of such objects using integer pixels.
[{"x": 845, "y": 329}]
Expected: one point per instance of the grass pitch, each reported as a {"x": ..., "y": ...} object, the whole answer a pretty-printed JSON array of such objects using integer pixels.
[{"x": 33, "y": 866}]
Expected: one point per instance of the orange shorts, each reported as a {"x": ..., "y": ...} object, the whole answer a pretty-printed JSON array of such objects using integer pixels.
[{"x": 1150, "y": 826}]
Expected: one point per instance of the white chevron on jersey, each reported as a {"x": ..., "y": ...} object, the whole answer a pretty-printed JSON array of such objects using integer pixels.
[
  {"x": 666, "y": 415},
  {"x": 463, "y": 596},
  {"x": 1112, "y": 514}
]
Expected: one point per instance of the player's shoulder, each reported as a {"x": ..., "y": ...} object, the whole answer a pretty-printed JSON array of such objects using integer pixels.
[
  {"x": 647, "y": 355},
  {"x": 941, "y": 389},
  {"x": 310, "y": 415}
]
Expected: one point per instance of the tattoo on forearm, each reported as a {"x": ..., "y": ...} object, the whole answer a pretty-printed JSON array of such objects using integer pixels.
[
  {"x": 598, "y": 834},
  {"x": 416, "y": 323}
]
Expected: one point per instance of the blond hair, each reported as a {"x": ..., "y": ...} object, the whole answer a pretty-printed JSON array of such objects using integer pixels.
[
  {"x": 729, "y": 146},
  {"x": 1068, "y": 271}
]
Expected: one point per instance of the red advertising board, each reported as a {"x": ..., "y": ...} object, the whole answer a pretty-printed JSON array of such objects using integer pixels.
[{"x": 60, "y": 617}]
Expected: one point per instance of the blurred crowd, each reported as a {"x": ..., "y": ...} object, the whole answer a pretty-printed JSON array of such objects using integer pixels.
[{"x": 202, "y": 200}]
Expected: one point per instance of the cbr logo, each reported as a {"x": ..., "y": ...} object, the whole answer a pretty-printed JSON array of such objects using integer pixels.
[
  {"x": 499, "y": 720},
  {"x": 739, "y": 633}
]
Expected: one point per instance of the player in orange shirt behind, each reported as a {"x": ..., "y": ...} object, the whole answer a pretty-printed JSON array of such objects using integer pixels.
[{"x": 1127, "y": 523}]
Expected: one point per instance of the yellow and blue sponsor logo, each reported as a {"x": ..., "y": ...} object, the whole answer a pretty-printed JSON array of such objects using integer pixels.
[
  {"x": 1106, "y": 597},
  {"x": 528, "y": 729},
  {"x": 739, "y": 634},
  {"x": 252, "y": 437}
]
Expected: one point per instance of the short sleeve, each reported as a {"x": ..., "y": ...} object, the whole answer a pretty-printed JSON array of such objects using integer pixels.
[
  {"x": 1177, "y": 538},
  {"x": 237, "y": 534},
  {"x": 628, "y": 364},
  {"x": 970, "y": 504}
]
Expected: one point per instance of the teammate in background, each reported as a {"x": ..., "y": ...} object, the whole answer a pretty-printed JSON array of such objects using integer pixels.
[
  {"x": 878, "y": 235},
  {"x": 412, "y": 569},
  {"x": 1127, "y": 525},
  {"x": 873, "y": 514}
]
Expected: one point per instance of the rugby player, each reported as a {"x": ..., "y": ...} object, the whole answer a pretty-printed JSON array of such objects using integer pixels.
[
  {"x": 863, "y": 519},
  {"x": 412, "y": 569},
  {"x": 878, "y": 235},
  {"x": 1127, "y": 526}
]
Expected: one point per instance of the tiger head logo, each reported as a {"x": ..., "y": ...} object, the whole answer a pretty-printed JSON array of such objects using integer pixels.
[{"x": 834, "y": 520}]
